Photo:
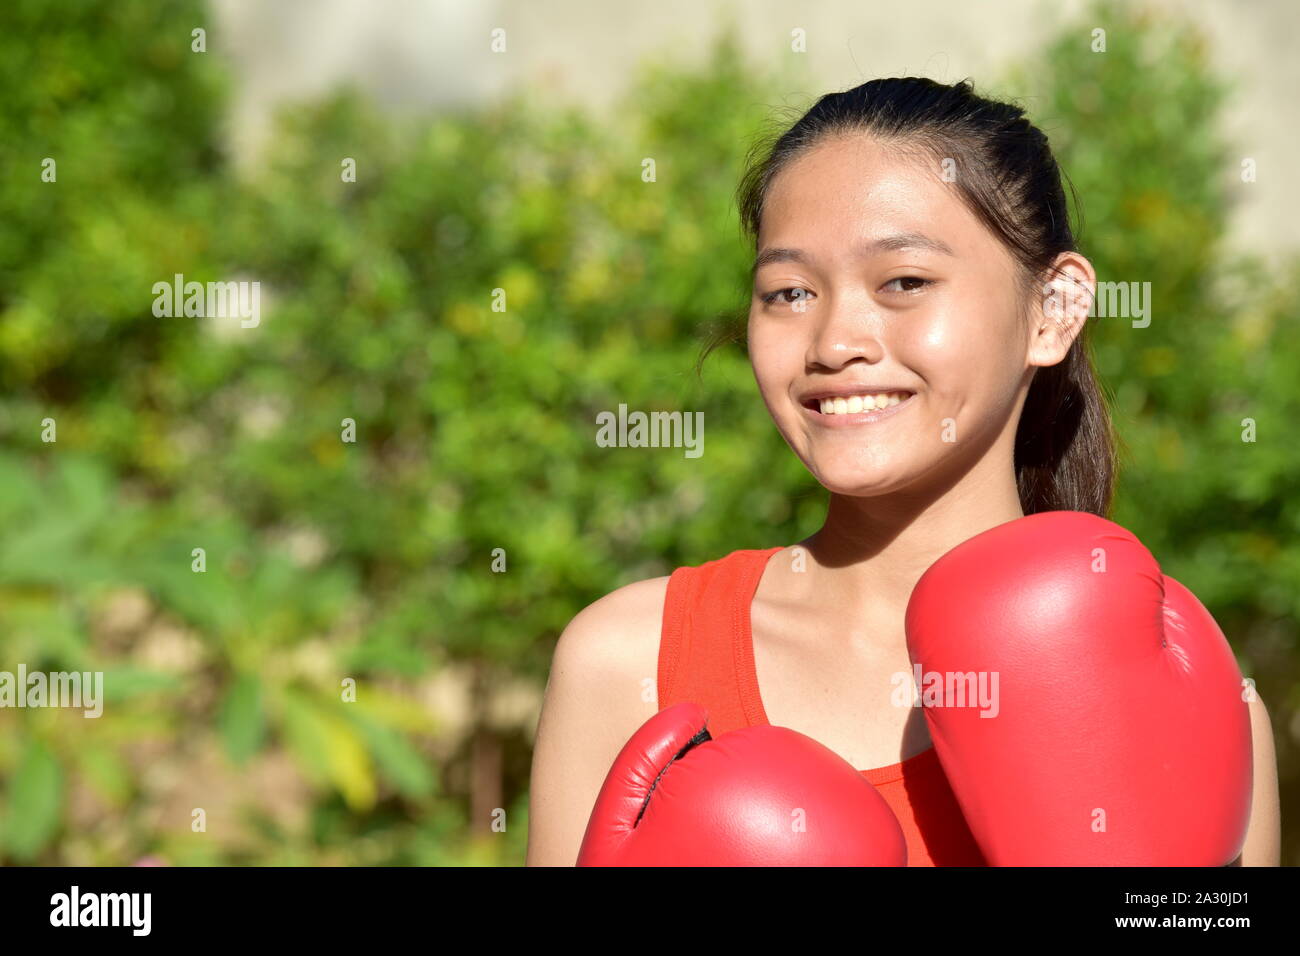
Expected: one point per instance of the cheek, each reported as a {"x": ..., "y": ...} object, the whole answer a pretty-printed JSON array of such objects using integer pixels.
[
  {"x": 771, "y": 356},
  {"x": 960, "y": 353}
]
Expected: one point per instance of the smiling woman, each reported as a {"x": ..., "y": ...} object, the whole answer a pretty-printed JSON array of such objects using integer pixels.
[
  {"x": 916, "y": 330},
  {"x": 930, "y": 221}
]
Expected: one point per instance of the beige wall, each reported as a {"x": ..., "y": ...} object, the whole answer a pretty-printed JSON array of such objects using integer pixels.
[{"x": 434, "y": 53}]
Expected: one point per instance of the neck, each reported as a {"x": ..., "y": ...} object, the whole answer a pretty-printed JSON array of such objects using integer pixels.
[{"x": 870, "y": 552}]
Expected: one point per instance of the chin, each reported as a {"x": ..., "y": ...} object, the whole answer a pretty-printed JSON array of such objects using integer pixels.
[{"x": 859, "y": 482}]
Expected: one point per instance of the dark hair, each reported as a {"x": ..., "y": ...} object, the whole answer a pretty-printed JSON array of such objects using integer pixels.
[{"x": 1065, "y": 447}]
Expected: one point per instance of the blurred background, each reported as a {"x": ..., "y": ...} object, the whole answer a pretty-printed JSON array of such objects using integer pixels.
[{"x": 223, "y": 156}]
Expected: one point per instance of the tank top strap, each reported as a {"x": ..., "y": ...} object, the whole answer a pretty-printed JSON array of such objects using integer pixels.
[{"x": 703, "y": 640}]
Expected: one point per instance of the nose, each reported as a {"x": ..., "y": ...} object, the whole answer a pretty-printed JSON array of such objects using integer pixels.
[{"x": 848, "y": 326}]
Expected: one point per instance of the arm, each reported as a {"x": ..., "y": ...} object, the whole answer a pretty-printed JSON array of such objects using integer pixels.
[
  {"x": 1264, "y": 834},
  {"x": 593, "y": 704}
]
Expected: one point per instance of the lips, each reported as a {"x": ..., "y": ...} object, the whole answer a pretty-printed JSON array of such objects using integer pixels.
[
  {"x": 869, "y": 395},
  {"x": 852, "y": 404},
  {"x": 856, "y": 407}
]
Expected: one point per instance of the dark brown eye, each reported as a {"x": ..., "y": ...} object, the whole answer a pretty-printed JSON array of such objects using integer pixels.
[
  {"x": 917, "y": 283},
  {"x": 799, "y": 294}
]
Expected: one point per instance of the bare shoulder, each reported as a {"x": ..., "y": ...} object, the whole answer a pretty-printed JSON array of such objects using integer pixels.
[
  {"x": 601, "y": 688},
  {"x": 611, "y": 646}
]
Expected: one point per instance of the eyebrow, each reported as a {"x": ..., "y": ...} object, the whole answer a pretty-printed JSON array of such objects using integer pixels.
[{"x": 894, "y": 243}]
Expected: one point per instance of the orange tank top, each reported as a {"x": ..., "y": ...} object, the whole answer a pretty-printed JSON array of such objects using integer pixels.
[{"x": 706, "y": 655}]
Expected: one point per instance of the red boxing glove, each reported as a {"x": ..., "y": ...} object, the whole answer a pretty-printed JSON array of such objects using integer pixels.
[
  {"x": 759, "y": 796},
  {"x": 1117, "y": 733}
]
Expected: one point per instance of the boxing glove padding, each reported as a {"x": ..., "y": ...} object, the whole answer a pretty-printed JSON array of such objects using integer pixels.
[
  {"x": 758, "y": 796},
  {"x": 1121, "y": 735}
]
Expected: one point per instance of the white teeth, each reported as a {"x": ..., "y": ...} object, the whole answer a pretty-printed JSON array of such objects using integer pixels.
[{"x": 854, "y": 404}]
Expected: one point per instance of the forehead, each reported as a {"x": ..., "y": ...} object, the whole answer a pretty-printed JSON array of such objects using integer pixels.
[{"x": 854, "y": 187}]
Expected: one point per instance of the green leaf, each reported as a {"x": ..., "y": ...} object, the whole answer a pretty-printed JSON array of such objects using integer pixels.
[
  {"x": 242, "y": 720},
  {"x": 35, "y": 803},
  {"x": 398, "y": 760},
  {"x": 329, "y": 749},
  {"x": 124, "y": 683},
  {"x": 305, "y": 734},
  {"x": 349, "y": 763},
  {"x": 106, "y": 772},
  {"x": 87, "y": 489}
]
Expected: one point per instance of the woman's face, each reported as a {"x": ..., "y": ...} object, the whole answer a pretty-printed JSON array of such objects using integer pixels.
[{"x": 885, "y": 328}]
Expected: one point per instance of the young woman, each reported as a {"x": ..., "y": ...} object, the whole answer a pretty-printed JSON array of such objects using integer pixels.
[{"x": 916, "y": 332}]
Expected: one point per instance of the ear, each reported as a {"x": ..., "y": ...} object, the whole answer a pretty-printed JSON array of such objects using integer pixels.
[{"x": 1060, "y": 311}]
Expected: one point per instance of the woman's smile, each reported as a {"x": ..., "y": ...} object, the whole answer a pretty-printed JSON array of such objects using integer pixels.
[{"x": 861, "y": 408}]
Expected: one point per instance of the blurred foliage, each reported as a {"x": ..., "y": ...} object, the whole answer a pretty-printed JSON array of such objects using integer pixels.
[{"x": 372, "y": 561}]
